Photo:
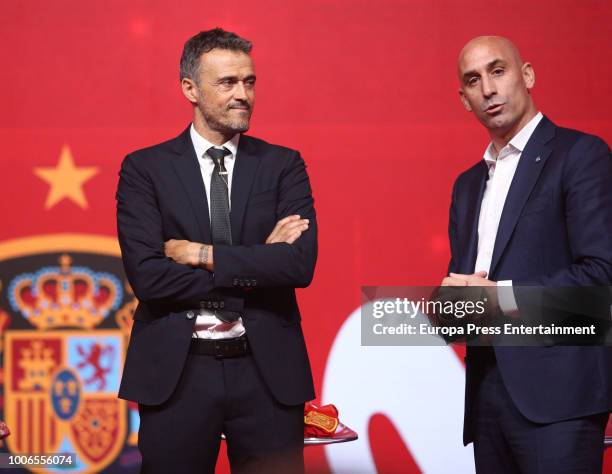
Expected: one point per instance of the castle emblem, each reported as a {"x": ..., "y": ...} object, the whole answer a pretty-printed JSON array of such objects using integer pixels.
[{"x": 62, "y": 359}]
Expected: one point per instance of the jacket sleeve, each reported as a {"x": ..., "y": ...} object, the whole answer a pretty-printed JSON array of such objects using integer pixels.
[
  {"x": 452, "y": 232},
  {"x": 153, "y": 276},
  {"x": 278, "y": 264}
]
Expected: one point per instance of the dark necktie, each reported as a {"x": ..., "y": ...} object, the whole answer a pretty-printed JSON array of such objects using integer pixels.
[
  {"x": 219, "y": 199},
  {"x": 220, "y": 213}
]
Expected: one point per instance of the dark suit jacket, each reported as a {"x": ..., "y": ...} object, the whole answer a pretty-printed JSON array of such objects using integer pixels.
[
  {"x": 555, "y": 231},
  {"x": 161, "y": 196}
]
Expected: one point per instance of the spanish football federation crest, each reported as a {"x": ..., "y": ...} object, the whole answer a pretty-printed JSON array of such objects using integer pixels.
[{"x": 65, "y": 317}]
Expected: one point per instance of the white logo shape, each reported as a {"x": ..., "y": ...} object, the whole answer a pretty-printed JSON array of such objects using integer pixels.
[{"x": 419, "y": 389}]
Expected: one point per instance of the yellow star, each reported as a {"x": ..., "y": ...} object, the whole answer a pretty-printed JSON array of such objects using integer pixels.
[{"x": 66, "y": 180}]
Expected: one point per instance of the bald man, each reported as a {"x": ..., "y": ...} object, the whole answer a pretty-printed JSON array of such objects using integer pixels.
[{"x": 537, "y": 210}]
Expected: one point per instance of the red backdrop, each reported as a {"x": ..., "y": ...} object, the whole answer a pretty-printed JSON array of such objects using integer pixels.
[{"x": 367, "y": 91}]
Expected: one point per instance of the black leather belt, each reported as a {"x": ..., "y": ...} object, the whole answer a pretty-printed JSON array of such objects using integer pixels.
[{"x": 220, "y": 348}]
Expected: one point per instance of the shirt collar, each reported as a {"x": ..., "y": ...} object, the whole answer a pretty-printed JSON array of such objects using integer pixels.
[
  {"x": 202, "y": 145},
  {"x": 518, "y": 142}
]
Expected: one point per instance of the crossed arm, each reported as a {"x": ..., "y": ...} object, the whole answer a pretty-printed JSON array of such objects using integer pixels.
[
  {"x": 194, "y": 254},
  {"x": 168, "y": 271}
]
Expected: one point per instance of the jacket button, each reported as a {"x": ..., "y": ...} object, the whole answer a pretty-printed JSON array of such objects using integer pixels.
[
  {"x": 209, "y": 304},
  {"x": 253, "y": 282},
  {"x": 235, "y": 282},
  {"x": 190, "y": 315},
  {"x": 215, "y": 304},
  {"x": 221, "y": 304}
]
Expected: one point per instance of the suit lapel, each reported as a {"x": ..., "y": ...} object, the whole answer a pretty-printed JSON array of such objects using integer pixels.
[
  {"x": 474, "y": 199},
  {"x": 528, "y": 171},
  {"x": 243, "y": 175},
  {"x": 188, "y": 170}
]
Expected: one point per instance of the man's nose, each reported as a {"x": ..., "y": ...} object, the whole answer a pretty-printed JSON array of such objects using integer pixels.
[
  {"x": 488, "y": 87},
  {"x": 240, "y": 91}
]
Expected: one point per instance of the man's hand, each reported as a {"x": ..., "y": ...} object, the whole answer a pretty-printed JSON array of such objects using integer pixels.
[
  {"x": 288, "y": 230},
  {"x": 475, "y": 279},
  {"x": 183, "y": 251}
]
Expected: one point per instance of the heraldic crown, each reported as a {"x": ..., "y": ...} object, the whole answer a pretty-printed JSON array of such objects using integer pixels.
[{"x": 65, "y": 296}]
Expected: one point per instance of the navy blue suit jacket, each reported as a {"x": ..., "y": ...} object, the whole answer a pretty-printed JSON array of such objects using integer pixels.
[
  {"x": 555, "y": 231},
  {"x": 161, "y": 196}
]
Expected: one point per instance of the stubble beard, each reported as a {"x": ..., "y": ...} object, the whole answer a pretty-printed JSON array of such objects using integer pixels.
[
  {"x": 238, "y": 126},
  {"x": 227, "y": 125}
]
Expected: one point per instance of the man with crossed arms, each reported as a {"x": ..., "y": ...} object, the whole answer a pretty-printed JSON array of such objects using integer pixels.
[{"x": 217, "y": 345}]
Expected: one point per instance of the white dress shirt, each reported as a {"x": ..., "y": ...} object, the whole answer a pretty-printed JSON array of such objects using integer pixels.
[
  {"x": 502, "y": 167},
  {"x": 207, "y": 325}
]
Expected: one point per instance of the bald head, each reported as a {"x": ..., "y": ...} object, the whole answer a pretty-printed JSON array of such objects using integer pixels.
[
  {"x": 495, "y": 85},
  {"x": 476, "y": 46}
]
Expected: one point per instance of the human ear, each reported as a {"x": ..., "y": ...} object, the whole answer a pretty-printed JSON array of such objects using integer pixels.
[
  {"x": 190, "y": 90},
  {"x": 464, "y": 101},
  {"x": 528, "y": 75}
]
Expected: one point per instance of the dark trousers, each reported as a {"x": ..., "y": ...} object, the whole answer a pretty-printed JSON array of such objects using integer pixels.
[
  {"x": 507, "y": 442},
  {"x": 217, "y": 396}
]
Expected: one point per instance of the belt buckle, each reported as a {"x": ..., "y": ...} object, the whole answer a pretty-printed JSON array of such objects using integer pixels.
[{"x": 219, "y": 354}]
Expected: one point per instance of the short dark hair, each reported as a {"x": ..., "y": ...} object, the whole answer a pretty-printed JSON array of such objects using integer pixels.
[{"x": 204, "y": 42}]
